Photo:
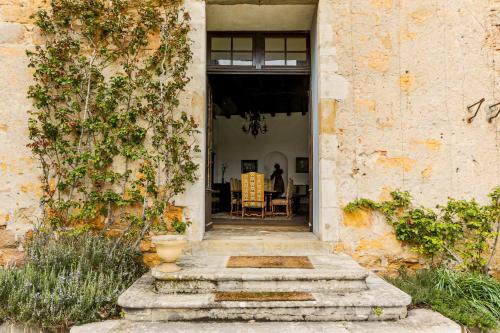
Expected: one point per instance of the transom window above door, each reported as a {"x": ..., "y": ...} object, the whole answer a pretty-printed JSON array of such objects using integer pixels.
[
  {"x": 262, "y": 52},
  {"x": 231, "y": 51}
]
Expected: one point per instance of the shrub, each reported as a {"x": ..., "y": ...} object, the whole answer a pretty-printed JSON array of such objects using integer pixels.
[
  {"x": 68, "y": 279},
  {"x": 462, "y": 231},
  {"x": 467, "y": 298}
]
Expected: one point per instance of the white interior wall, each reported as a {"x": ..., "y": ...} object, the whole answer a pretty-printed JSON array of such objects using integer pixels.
[{"x": 286, "y": 134}]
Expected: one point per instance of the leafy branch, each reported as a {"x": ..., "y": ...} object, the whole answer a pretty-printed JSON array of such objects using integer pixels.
[
  {"x": 114, "y": 148},
  {"x": 463, "y": 230}
]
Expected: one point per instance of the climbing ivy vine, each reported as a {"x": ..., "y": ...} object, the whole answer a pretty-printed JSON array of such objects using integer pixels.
[
  {"x": 113, "y": 146},
  {"x": 462, "y": 230}
]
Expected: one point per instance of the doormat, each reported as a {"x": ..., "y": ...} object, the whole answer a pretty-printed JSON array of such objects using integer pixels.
[
  {"x": 269, "y": 262},
  {"x": 242, "y": 296}
]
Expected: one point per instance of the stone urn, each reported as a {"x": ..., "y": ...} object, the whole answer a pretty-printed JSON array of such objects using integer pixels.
[{"x": 169, "y": 248}]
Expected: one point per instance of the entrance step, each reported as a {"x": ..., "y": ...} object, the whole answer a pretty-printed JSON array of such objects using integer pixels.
[
  {"x": 259, "y": 242},
  {"x": 418, "y": 321},
  {"x": 202, "y": 274},
  {"x": 381, "y": 301}
]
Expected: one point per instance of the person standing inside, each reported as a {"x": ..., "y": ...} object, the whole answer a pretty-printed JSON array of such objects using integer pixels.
[{"x": 279, "y": 184}]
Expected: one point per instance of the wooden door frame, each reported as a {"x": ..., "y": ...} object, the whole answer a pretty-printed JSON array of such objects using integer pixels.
[
  {"x": 258, "y": 53},
  {"x": 208, "y": 158},
  {"x": 310, "y": 146}
]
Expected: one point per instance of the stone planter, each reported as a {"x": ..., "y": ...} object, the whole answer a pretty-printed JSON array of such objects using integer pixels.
[{"x": 169, "y": 248}]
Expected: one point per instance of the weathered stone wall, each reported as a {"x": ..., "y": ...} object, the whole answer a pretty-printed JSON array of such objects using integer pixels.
[
  {"x": 394, "y": 81},
  {"x": 412, "y": 69},
  {"x": 19, "y": 183}
]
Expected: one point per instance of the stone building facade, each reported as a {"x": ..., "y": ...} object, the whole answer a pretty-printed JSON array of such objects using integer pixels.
[{"x": 391, "y": 83}]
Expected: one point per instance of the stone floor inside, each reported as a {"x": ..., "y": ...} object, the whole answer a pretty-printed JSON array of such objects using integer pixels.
[
  {"x": 250, "y": 232},
  {"x": 295, "y": 222}
]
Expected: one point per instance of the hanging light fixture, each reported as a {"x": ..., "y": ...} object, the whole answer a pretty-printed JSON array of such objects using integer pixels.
[{"x": 255, "y": 123}]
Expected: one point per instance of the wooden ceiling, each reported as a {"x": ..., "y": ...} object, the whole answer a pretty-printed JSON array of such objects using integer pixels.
[{"x": 236, "y": 94}]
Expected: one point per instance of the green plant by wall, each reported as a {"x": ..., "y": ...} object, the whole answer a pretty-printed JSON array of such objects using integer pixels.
[
  {"x": 106, "y": 127},
  {"x": 463, "y": 230},
  {"x": 68, "y": 279},
  {"x": 467, "y": 298}
]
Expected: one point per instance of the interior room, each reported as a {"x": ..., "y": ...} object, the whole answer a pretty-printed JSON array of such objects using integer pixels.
[{"x": 260, "y": 123}]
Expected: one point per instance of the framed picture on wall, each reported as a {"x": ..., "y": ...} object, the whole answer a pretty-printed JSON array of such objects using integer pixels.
[
  {"x": 301, "y": 165},
  {"x": 248, "y": 166}
]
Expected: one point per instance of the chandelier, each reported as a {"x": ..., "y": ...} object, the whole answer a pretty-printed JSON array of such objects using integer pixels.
[{"x": 255, "y": 123}]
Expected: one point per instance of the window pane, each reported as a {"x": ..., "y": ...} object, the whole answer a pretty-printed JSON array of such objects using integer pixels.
[
  {"x": 221, "y": 43},
  {"x": 220, "y": 58},
  {"x": 296, "y": 44},
  {"x": 296, "y": 59},
  {"x": 242, "y": 58},
  {"x": 275, "y": 44},
  {"x": 242, "y": 44},
  {"x": 275, "y": 59}
]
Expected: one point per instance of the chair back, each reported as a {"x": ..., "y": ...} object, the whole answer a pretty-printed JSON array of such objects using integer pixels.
[
  {"x": 235, "y": 187},
  {"x": 268, "y": 184},
  {"x": 289, "y": 189},
  {"x": 252, "y": 189}
]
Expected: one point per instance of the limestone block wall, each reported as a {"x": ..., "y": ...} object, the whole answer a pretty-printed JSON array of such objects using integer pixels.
[
  {"x": 19, "y": 182},
  {"x": 412, "y": 69},
  {"x": 19, "y": 185},
  {"x": 394, "y": 80}
]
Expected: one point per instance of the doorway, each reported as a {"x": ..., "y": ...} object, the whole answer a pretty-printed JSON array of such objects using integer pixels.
[{"x": 260, "y": 123}]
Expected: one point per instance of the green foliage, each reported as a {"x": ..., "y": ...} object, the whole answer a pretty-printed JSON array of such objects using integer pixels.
[
  {"x": 462, "y": 230},
  {"x": 175, "y": 226},
  {"x": 68, "y": 280},
  {"x": 467, "y": 298},
  {"x": 106, "y": 128}
]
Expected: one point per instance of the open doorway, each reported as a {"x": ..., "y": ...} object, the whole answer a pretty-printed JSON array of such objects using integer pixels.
[{"x": 260, "y": 123}]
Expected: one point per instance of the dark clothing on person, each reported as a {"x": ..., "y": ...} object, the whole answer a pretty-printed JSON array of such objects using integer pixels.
[{"x": 279, "y": 184}]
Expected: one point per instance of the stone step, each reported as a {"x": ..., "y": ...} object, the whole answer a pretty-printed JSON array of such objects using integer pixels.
[
  {"x": 203, "y": 274},
  {"x": 418, "y": 321},
  {"x": 381, "y": 301},
  {"x": 264, "y": 243}
]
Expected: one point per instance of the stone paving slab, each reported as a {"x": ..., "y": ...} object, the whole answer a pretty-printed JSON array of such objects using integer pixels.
[{"x": 418, "y": 321}]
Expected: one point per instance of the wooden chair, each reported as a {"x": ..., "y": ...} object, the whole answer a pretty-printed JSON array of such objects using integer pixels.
[
  {"x": 215, "y": 201},
  {"x": 235, "y": 188},
  {"x": 268, "y": 184},
  {"x": 252, "y": 194},
  {"x": 287, "y": 201}
]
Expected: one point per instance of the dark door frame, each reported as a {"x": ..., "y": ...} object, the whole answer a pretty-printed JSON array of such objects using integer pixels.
[
  {"x": 209, "y": 155},
  {"x": 258, "y": 54}
]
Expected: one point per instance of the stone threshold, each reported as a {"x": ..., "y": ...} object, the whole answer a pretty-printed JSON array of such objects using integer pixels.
[{"x": 258, "y": 242}]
